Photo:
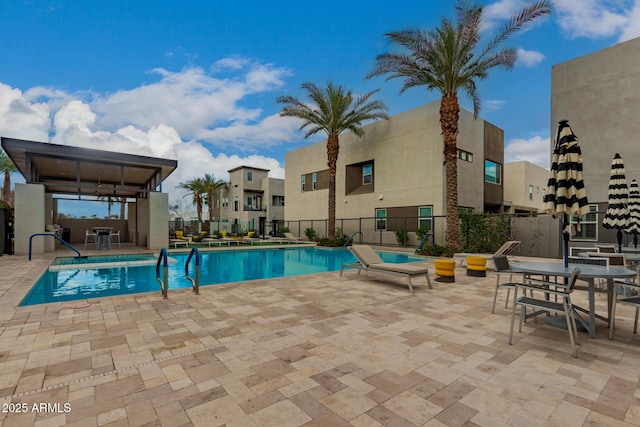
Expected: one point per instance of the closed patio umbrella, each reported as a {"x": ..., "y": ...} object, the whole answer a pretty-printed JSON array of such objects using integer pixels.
[
  {"x": 566, "y": 194},
  {"x": 633, "y": 227},
  {"x": 617, "y": 214}
]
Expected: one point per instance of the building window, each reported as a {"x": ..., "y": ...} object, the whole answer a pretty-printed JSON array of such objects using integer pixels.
[
  {"x": 492, "y": 172},
  {"x": 302, "y": 182},
  {"x": 588, "y": 225},
  {"x": 381, "y": 219},
  {"x": 249, "y": 201},
  {"x": 425, "y": 217},
  {"x": 314, "y": 179},
  {"x": 236, "y": 204},
  {"x": 277, "y": 201},
  {"x": 249, "y": 176},
  {"x": 367, "y": 174},
  {"x": 531, "y": 192},
  {"x": 465, "y": 155},
  {"x": 225, "y": 202}
]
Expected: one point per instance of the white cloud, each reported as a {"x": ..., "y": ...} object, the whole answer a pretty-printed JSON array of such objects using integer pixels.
[
  {"x": 536, "y": 150},
  {"x": 592, "y": 18},
  {"x": 493, "y": 105},
  {"x": 632, "y": 27},
  {"x": 172, "y": 118},
  {"x": 529, "y": 58},
  {"x": 20, "y": 118},
  {"x": 195, "y": 102}
]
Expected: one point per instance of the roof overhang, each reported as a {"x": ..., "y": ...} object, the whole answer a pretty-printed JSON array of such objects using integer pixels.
[{"x": 63, "y": 169}]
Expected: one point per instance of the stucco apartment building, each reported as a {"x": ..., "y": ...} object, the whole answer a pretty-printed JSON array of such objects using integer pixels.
[
  {"x": 396, "y": 170},
  {"x": 251, "y": 201},
  {"x": 599, "y": 94},
  {"x": 524, "y": 187}
]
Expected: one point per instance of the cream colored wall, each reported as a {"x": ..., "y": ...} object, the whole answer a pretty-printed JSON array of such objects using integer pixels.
[
  {"x": 29, "y": 218},
  {"x": 516, "y": 188},
  {"x": 408, "y": 167},
  {"x": 158, "y": 227},
  {"x": 599, "y": 94}
]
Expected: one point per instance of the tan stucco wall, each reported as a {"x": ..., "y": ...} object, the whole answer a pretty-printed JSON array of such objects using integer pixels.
[
  {"x": 29, "y": 218},
  {"x": 599, "y": 94},
  {"x": 518, "y": 177}
]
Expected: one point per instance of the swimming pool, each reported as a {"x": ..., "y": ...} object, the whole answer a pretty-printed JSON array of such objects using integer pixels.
[{"x": 95, "y": 279}]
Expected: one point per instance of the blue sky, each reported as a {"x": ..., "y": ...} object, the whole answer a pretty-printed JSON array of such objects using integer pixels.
[{"x": 197, "y": 81}]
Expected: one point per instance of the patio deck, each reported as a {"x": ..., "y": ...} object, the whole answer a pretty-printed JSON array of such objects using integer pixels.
[{"x": 316, "y": 350}]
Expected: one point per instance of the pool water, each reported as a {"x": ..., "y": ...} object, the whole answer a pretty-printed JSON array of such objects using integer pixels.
[{"x": 96, "y": 279}]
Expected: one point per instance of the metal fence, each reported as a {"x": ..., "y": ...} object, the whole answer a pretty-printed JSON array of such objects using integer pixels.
[{"x": 540, "y": 234}]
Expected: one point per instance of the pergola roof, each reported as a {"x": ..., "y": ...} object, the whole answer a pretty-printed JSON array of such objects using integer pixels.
[{"x": 63, "y": 169}]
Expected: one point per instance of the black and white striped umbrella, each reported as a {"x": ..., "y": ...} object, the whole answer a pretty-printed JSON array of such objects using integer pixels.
[
  {"x": 565, "y": 191},
  {"x": 566, "y": 194},
  {"x": 617, "y": 214},
  {"x": 633, "y": 227}
]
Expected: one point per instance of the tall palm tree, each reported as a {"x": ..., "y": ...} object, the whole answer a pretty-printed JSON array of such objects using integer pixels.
[
  {"x": 211, "y": 185},
  {"x": 333, "y": 110},
  {"x": 195, "y": 187},
  {"x": 449, "y": 59},
  {"x": 7, "y": 167}
]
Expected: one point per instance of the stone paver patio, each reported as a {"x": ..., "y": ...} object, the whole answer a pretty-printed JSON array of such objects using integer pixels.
[{"x": 316, "y": 350}]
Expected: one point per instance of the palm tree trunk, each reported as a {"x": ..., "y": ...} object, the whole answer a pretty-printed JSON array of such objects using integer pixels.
[
  {"x": 210, "y": 205},
  {"x": 449, "y": 115},
  {"x": 333, "y": 148}
]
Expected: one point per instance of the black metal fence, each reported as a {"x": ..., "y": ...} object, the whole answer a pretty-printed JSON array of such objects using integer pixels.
[{"x": 540, "y": 234}]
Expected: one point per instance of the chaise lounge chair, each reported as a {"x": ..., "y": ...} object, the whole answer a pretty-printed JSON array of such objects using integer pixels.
[
  {"x": 507, "y": 249},
  {"x": 369, "y": 260},
  {"x": 290, "y": 237}
]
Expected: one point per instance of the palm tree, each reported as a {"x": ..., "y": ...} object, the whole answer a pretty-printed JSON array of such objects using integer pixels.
[
  {"x": 333, "y": 110},
  {"x": 448, "y": 59},
  {"x": 196, "y": 188},
  {"x": 211, "y": 185},
  {"x": 7, "y": 167}
]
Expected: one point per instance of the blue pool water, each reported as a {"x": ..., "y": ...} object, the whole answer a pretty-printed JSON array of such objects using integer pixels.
[{"x": 95, "y": 279}]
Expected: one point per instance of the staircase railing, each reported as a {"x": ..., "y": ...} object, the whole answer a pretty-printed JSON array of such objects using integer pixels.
[
  {"x": 424, "y": 238},
  {"x": 350, "y": 239},
  {"x": 55, "y": 237},
  {"x": 164, "y": 284},
  {"x": 195, "y": 284}
]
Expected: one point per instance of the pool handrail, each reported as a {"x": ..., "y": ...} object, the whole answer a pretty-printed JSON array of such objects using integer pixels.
[
  {"x": 55, "y": 237},
  {"x": 350, "y": 239},
  {"x": 423, "y": 240},
  {"x": 195, "y": 284},
  {"x": 163, "y": 283}
]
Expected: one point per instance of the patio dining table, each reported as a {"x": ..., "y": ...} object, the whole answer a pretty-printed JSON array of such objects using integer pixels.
[
  {"x": 588, "y": 273},
  {"x": 104, "y": 236}
]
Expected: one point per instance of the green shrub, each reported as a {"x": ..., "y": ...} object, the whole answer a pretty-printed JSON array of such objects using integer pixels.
[
  {"x": 310, "y": 233},
  {"x": 421, "y": 232},
  {"x": 402, "y": 236},
  {"x": 436, "y": 251},
  {"x": 283, "y": 230}
]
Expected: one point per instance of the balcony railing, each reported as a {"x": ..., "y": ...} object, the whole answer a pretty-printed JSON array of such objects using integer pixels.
[{"x": 254, "y": 208}]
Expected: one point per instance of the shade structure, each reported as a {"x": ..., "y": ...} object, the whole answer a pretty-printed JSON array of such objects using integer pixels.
[
  {"x": 617, "y": 214},
  {"x": 566, "y": 194},
  {"x": 633, "y": 227}
]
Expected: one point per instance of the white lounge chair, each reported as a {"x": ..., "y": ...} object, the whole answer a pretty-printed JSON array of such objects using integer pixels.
[
  {"x": 369, "y": 260},
  {"x": 292, "y": 238},
  {"x": 507, "y": 249}
]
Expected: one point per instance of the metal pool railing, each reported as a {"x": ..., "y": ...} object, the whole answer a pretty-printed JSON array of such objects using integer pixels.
[
  {"x": 55, "y": 237},
  {"x": 163, "y": 283},
  {"x": 195, "y": 284}
]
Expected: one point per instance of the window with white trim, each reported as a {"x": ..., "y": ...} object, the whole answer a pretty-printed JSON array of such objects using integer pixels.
[
  {"x": 381, "y": 219},
  {"x": 588, "y": 225},
  {"x": 492, "y": 172},
  {"x": 367, "y": 174},
  {"x": 425, "y": 217},
  {"x": 302, "y": 181},
  {"x": 314, "y": 180}
]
